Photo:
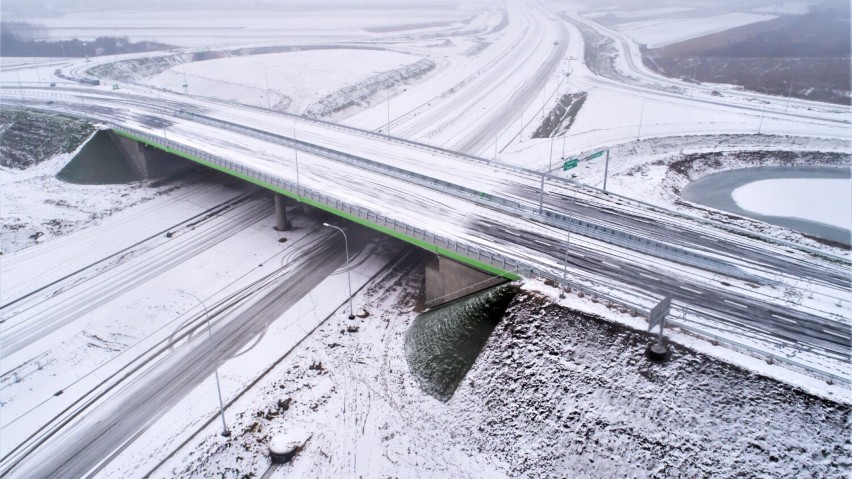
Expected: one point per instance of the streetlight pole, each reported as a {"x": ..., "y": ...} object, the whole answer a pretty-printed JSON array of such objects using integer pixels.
[
  {"x": 225, "y": 431},
  {"x": 495, "y": 148},
  {"x": 266, "y": 75},
  {"x": 606, "y": 169},
  {"x": 162, "y": 118},
  {"x": 348, "y": 276},
  {"x": 296, "y": 152},
  {"x": 789, "y": 92},
  {"x": 185, "y": 84},
  {"x": 521, "y": 131},
  {"x": 550, "y": 161},
  {"x": 565, "y": 267}
]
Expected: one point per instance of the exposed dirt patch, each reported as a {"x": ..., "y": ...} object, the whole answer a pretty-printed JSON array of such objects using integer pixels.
[
  {"x": 567, "y": 395},
  {"x": 562, "y": 116},
  {"x": 29, "y": 137}
]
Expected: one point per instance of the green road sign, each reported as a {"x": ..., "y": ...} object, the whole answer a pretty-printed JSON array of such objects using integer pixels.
[
  {"x": 595, "y": 155},
  {"x": 572, "y": 163}
]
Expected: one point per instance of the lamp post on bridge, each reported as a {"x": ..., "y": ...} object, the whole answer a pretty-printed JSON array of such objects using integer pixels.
[
  {"x": 348, "y": 276},
  {"x": 565, "y": 267},
  {"x": 225, "y": 431}
]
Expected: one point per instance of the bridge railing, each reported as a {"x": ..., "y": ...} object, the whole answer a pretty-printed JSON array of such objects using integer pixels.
[
  {"x": 575, "y": 225},
  {"x": 842, "y": 262},
  {"x": 635, "y": 303}
]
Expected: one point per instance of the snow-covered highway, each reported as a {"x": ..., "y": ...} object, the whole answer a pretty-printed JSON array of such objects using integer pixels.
[
  {"x": 257, "y": 140},
  {"x": 437, "y": 183}
]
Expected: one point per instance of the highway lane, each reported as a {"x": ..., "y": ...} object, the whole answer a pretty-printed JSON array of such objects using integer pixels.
[
  {"x": 497, "y": 182},
  {"x": 657, "y": 84},
  {"x": 261, "y": 151},
  {"x": 28, "y": 321},
  {"x": 756, "y": 317},
  {"x": 603, "y": 267},
  {"x": 450, "y": 169},
  {"x": 106, "y": 418}
]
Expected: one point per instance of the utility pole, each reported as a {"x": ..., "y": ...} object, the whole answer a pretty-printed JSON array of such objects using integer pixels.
[
  {"x": 760, "y": 125},
  {"x": 541, "y": 197},
  {"x": 641, "y": 114},
  {"x": 606, "y": 169},
  {"x": 388, "y": 112}
]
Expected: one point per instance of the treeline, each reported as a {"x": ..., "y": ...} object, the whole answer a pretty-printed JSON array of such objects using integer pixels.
[{"x": 18, "y": 39}]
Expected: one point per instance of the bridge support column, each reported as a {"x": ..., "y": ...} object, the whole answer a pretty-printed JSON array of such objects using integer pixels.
[
  {"x": 448, "y": 280},
  {"x": 281, "y": 223}
]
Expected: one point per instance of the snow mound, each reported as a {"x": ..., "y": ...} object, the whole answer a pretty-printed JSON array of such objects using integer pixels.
[
  {"x": 360, "y": 93},
  {"x": 793, "y": 198}
]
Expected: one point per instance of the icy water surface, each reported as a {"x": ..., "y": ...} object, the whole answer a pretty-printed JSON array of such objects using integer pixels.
[
  {"x": 716, "y": 191},
  {"x": 442, "y": 344}
]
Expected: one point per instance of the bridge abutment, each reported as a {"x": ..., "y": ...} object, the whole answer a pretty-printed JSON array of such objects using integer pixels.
[
  {"x": 149, "y": 163},
  {"x": 448, "y": 280}
]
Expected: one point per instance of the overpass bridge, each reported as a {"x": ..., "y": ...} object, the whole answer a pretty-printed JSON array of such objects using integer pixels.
[{"x": 509, "y": 221}]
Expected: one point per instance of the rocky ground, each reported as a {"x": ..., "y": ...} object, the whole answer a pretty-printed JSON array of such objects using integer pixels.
[
  {"x": 561, "y": 394},
  {"x": 29, "y": 137},
  {"x": 554, "y": 393}
]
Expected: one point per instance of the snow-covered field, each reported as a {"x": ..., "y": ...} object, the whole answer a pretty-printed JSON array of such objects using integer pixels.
[
  {"x": 322, "y": 19},
  {"x": 37, "y": 207},
  {"x": 556, "y": 392},
  {"x": 665, "y": 31},
  {"x": 821, "y": 200},
  {"x": 300, "y": 82}
]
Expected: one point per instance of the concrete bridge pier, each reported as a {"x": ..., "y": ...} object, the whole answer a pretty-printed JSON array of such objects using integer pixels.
[
  {"x": 281, "y": 223},
  {"x": 448, "y": 280}
]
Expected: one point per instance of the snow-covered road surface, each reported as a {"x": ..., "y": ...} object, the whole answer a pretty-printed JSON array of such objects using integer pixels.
[{"x": 462, "y": 218}]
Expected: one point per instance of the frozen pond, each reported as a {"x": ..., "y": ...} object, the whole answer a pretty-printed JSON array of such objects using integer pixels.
[{"x": 814, "y": 200}]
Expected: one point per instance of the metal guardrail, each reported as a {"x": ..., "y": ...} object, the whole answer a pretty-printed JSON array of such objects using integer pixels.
[
  {"x": 549, "y": 177},
  {"x": 575, "y": 225},
  {"x": 472, "y": 252}
]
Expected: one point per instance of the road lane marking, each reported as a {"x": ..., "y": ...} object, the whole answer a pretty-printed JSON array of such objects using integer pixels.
[
  {"x": 833, "y": 334},
  {"x": 789, "y": 320},
  {"x": 735, "y": 304},
  {"x": 690, "y": 289}
]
